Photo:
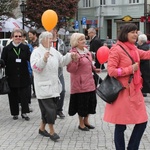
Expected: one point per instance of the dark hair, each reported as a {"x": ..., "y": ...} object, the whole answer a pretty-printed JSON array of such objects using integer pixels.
[
  {"x": 24, "y": 33},
  {"x": 125, "y": 29},
  {"x": 33, "y": 32}
]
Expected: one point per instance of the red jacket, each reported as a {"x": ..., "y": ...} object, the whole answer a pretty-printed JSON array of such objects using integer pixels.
[{"x": 129, "y": 108}]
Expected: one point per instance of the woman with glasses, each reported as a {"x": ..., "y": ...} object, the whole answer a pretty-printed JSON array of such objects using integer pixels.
[{"x": 15, "y": 56}]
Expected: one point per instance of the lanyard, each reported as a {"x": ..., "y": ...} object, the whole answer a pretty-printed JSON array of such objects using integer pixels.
[{"x": 16, "y": 52}]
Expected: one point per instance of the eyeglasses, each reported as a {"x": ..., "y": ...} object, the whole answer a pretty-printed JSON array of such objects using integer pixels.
[{"x": 17, "y": 36}]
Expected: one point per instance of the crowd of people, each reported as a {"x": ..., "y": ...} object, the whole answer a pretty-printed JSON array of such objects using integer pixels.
[{"x": 35, "y": 69}]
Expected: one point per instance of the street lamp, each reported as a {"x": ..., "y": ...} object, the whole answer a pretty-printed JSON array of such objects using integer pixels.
[{"x": 23, "y": 9}]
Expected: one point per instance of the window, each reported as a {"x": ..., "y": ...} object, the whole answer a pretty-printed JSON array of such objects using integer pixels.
[
  {"x": 113, "y": 1},
  {"x": 102, "y": 2},
  {"x": 133, "y": 1},
  {"x": 86, "y": 3}
]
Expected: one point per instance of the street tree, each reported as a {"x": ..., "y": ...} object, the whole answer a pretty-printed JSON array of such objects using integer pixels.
[
  {"x": 65, "y": 9},
  {"x": 7, "y": 7}
]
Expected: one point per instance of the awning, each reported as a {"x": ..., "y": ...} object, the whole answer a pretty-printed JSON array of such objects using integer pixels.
[{"x": 143, "y": 18}]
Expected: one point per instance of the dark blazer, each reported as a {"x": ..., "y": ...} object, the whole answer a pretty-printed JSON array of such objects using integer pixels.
[
  {"x": 145, "y": 70},
  {"x": 17, "y": 72},
  {"x": 95, "y": 44}
]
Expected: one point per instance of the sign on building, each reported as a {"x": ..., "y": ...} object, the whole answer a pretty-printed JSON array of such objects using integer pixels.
[
  {"x": 76, "y": 25},
  {"x": 84, "y": 26}
]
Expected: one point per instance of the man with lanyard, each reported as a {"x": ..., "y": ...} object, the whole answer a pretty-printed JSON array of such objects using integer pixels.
[{"x": 59, "y": 45}]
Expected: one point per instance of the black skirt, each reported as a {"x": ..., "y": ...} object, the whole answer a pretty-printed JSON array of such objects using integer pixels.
[
  {"x": 83, "y": 104},
  {"x": 48, "y": 109}
]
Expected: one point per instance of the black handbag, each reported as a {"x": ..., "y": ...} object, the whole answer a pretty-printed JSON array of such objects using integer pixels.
[
  {"x": 4, "y": 87},
  {"x": 110, "y": 87}
]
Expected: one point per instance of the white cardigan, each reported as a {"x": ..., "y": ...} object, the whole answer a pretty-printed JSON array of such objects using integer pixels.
[{"x": 46, "y": 81}]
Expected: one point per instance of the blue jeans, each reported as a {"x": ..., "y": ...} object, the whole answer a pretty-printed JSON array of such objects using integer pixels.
[
  {"x": 60, "y": 102},
  {"x": 135, "y": 138}
]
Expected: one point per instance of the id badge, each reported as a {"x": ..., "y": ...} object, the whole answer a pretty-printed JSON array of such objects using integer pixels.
[{"x": 18, "y": 60}]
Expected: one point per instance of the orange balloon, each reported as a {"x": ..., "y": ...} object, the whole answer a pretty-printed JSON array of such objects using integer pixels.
[{"x": 49, "y": 19}]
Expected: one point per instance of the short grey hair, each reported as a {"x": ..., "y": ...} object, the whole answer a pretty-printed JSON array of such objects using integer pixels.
[
  {"x": 142, "y": 38},
  {"x": 16, "y": 30},
  {"x": 92, "y": 30},
  {"x": 74, "y": 39},
  {"x": 44, "y": 35}
]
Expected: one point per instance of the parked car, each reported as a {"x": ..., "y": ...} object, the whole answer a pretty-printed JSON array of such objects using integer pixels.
[
  {"x": 109, "y": 42},
  {"x": 3, "y": 42}
]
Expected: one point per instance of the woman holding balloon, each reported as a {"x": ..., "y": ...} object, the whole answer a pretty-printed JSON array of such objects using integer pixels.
[{"x": 45, "y": 61}]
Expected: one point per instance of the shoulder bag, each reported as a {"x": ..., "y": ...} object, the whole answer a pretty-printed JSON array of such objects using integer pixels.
[
  {"x": 4, "y": 87},
  {"x": 96, "y": 77},
  {"x": 110, "y": 87}
]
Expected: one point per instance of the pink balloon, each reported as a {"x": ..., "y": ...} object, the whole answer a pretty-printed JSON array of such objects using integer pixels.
[{"x": 102, "y": 54}]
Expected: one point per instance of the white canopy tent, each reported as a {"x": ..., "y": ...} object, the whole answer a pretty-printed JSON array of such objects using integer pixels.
[{"x": 10, "y": 24}]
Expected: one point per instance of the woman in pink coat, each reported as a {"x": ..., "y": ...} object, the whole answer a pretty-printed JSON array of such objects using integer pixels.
[
  {"x": 83, "y": 97},
  {"x": 129, "y": 107}
]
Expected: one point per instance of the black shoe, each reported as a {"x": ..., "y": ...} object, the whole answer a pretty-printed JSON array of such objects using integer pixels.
[
  {"x": 54, "y": 137},
  {"x": 83, "y": 129},
  {"x": 89, "y": 126},
  {"x": 15, "y": 117},
  {"x": 33, "y": 95},
  {"x": 24, "y": 116},
  {"x": 44, "y": 133},
  {"x": 61, "y": 115}
]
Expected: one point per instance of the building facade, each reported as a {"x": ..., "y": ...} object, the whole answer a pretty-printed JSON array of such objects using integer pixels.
[{"x": 107, "y": 16}]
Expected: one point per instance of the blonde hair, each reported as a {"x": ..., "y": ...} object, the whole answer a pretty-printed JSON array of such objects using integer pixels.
[{"x": 74, "y": 39}]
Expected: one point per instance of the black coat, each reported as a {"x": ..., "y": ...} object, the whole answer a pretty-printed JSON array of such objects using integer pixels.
[
  {"x": 95, "y": 44},
  {"x": 145, "y": 70},
  {"x": 17, "y": 72}
]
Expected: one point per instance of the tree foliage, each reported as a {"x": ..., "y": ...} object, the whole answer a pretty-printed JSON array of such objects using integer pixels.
[
  {"x": 63, "y": 8},
  {"x": 7, "y": 6}
]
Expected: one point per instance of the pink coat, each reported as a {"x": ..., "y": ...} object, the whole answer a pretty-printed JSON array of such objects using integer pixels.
[
  {"x": 81, "y": 74},
  {"x": 129, "y": 108}
]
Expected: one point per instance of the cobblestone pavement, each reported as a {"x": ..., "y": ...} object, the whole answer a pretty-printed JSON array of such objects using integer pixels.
[{"x": 23, "y": 135}]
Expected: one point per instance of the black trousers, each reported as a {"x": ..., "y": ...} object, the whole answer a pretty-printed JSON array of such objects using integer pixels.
[
  {"x": 60, "y": 102},
  {"x": 135, "y": 138},
  {"x": 19, "y": 95}
]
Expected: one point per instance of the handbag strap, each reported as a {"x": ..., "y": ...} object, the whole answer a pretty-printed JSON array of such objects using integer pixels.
[
  {"x": 127, "y": 54},
  {"x": 93, "y": 69},
  {"x": 131, "y": 76}
]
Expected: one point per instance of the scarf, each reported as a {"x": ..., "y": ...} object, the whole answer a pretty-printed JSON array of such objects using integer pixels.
[{"x": 137, "y": 74}]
